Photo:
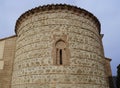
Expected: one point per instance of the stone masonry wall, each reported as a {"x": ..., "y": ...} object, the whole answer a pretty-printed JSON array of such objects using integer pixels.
[
  {"x": 7, "y": 59},
  {"x": 34, "y": 66}
]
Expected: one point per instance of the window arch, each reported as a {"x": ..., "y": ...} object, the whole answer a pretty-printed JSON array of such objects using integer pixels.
[{"x": 60, "y": 53}]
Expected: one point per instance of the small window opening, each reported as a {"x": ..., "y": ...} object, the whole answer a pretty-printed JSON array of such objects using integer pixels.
[
  {"x": 60, "y": 56},
  {"x": 60, "y": 52}
]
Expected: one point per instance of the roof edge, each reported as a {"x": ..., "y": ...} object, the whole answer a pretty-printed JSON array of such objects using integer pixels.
[
  {"x": 7, "y": 37},
  {"x": 57, "y": 7},
  {"x": 109, "y": 59}
]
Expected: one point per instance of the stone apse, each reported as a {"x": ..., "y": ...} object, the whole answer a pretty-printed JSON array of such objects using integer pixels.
[{"x": 56, "y": 46}]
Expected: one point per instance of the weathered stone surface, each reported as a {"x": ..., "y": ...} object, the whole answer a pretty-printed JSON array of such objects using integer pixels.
[
  {"x": 35, "y": 64},
  {"x": 57, "y": 46},
  {"x": 8, "y": 57}
]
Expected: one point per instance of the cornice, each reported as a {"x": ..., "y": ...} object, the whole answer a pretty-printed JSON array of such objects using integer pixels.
[
  {"x": 57, "y": 7},
  {"x": 108, "y": 59}
]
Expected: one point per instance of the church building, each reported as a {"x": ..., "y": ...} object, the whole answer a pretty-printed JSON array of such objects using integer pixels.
[{"x": 55, "y": 46}]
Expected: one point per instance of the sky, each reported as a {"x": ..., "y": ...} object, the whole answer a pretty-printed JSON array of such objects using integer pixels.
[{"x": 107, "y": 11}]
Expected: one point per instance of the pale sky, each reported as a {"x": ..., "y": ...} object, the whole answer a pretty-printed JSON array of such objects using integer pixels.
[{"x": 107, "y": 11}]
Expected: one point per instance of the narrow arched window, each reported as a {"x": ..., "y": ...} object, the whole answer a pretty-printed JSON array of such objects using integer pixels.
[
  {"x": 61, "y": 56},
  {"x": 60, "y": 53}
]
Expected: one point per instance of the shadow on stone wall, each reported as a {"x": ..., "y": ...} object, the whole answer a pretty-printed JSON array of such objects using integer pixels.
[{"x": 112, "y": 82}]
